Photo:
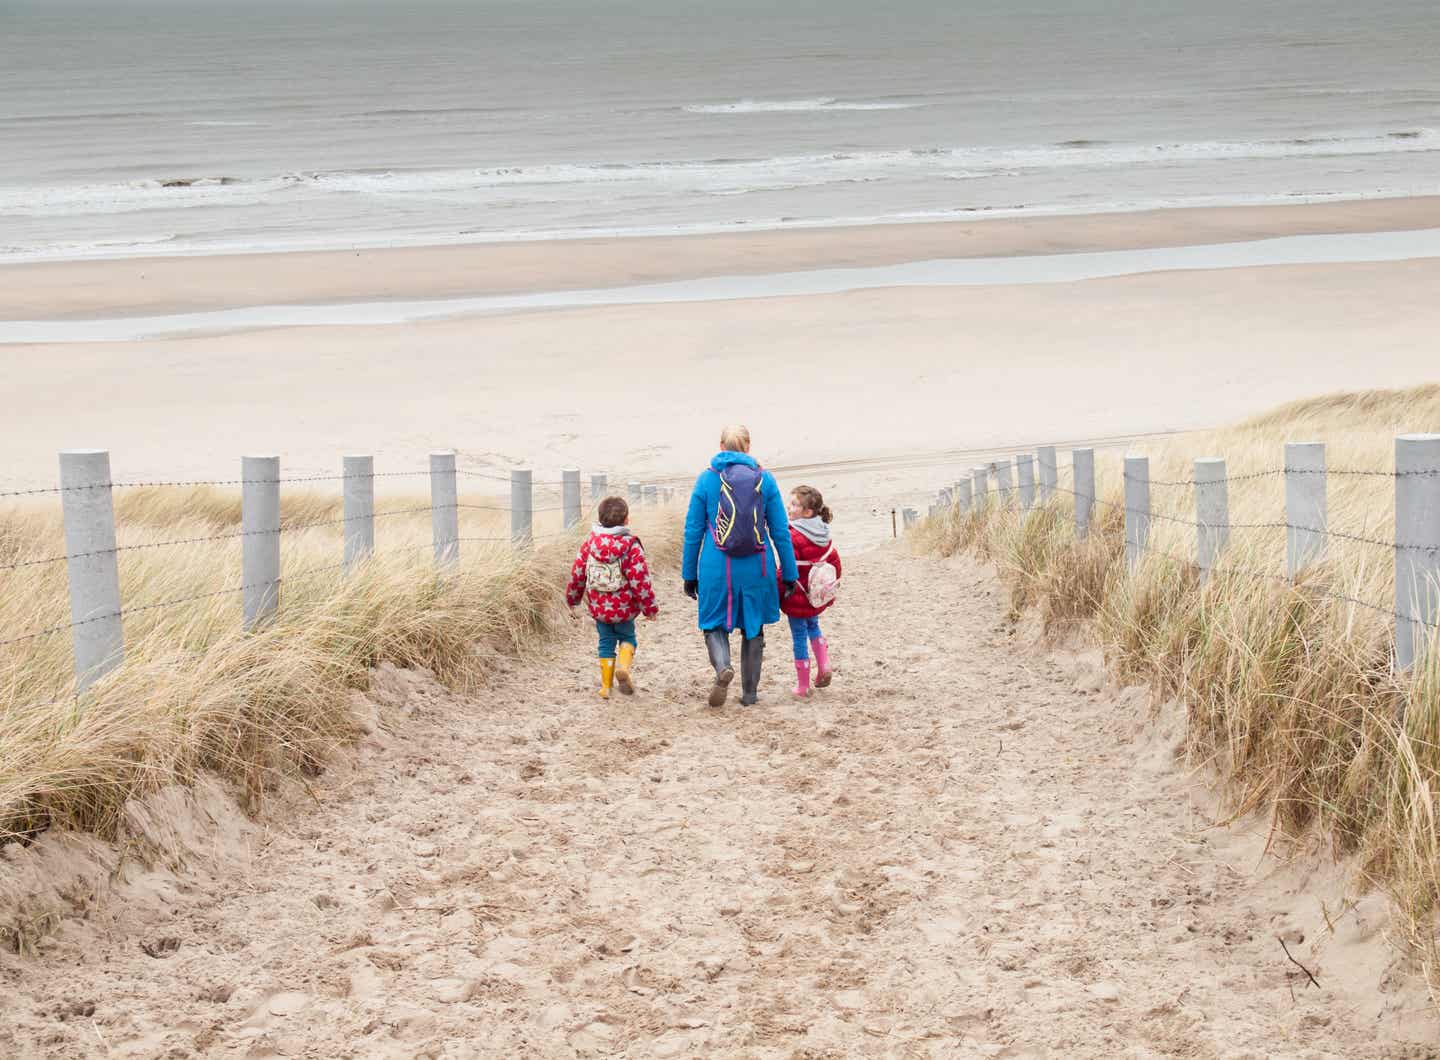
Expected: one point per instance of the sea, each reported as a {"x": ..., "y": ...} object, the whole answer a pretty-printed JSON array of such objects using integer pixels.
[{"x": 139, "y": 127}]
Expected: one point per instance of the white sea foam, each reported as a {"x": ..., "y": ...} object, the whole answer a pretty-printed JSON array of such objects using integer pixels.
[
  {"x": 721, "y": 176},
  {"x": 769, "y": 106}
]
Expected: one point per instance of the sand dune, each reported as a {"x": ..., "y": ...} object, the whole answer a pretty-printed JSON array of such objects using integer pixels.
[{"x": 964, "y": 847}]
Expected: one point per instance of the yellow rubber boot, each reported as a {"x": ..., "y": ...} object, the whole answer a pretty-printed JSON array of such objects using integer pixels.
[
  {"x": 625, "y": 659},
  {"x": 607, "y": 676}
]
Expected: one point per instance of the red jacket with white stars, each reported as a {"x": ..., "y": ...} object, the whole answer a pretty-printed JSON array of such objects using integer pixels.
[{"x": 637, "y": 597}]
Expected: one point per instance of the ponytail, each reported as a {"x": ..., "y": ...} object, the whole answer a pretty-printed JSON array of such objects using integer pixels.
[{"x": 809, "y": 497}]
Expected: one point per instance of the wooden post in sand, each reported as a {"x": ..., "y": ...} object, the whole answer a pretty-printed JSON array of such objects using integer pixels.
[
  {"x": 980, "y": 477},
  {"x": 1212, "y": 513},
  {"x": 570, "y": 495},
  {"x": 635, "y": 491},
  {"x": 652, "y": 496},
  {"x": 1082, "y": 467},
  {"x": 911, "y": 517},
  {"x": 1305, "y": 505},
  {"x": 358, "y": 476},
  {"x": 1049, "y": 471},
  {"x": 963, "y": 493},
  {"x": 599, "y": 487},
  {"x": 1417, "y": 545},
  {"x": 260, "y": 548},
  {"x": 1025, "y": 475},
  {"x": 444, "y": 510},
  {"x": 1001, "y": 471},
  {"x": 1137, "y": 509},
  {"x": 522, "y": 508},
  {"x": 92, "y": 567}
]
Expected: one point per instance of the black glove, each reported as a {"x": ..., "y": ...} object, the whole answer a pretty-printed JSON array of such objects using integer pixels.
[
  {"x": 692, "y": 588},
  {"x": 791, "y": 588}
]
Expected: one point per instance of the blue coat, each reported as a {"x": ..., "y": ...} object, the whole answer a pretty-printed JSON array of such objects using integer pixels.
[{"x": 736, "y": 593}]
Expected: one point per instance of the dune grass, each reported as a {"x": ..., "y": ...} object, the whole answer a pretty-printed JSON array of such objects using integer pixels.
[
  {"x": 1289, "y": 689},
  {"x": 196, "y": 693}
]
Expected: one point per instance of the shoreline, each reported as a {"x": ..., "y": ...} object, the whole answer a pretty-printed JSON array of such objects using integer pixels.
[
  {"x": 1015, "y": 270},
  {"x": 159, "y": 286}
]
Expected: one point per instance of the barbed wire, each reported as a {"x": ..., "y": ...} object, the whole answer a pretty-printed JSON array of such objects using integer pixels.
[
  {"x": 1224, "y": 567},
  {"x": 186, "y": 483}
]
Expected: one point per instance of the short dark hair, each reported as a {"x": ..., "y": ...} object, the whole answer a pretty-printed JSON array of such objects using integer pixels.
[{"x": 613, "y": 512}]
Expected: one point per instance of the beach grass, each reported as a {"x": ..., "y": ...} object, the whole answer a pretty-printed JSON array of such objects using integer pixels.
[
  {"x": 196, "y": 693},
  {"x": 1289, "y": 688}
]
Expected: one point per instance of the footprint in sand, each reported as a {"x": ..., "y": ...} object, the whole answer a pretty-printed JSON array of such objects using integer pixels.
[{"x": 276, "y": 1007}]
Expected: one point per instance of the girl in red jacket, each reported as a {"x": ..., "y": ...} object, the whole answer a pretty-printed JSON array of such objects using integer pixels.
[
  {"x": 611, "y": 574},
  {"x": 819, "y": 579}
]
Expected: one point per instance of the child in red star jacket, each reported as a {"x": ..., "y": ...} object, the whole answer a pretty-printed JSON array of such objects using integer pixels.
[
  {"x": 819, "y": 583},
  {"x": 611, "y": 574}
]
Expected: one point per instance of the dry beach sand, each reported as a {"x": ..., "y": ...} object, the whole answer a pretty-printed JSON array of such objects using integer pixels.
[
  {"x": 910, "y": 373},
  {"x": 966, "y": 847}
]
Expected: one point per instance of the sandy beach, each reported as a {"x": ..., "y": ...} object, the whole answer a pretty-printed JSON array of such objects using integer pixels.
[
  {"x": 1000, "y": 858},
  {"x": 929, "y": 377}
]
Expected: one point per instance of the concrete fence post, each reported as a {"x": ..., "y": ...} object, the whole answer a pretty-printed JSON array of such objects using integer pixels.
[
  {"x": 980, "y": 477},
  {"x": 1212, "y": 513},
  {"x": 1137, "y": 508},
  {"x": 260, "y": 523},
  {"x": 963, "y": 493},
  {"x": 1001, "y": 471},
  {"x": 570, "y": 495},
  {"x": 599, "y": 488},
  {"x": 1305, "y": 505},
  {"x": 1417, "y": 544},
  {"x": 93, "y": 569},
  {"x": 1049, "y": 471},
  {"x": 652, "y": 496},
  {"x": 1025, "y": 476},
  {"x": 359, "y": 492},
  {"x": 522, "y": 508},
  {"x": 1082, "y": 467},
  {"x": 444, "y": 510}
]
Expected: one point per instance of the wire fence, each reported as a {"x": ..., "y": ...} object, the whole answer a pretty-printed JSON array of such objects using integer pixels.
[
  {"x": 87, "y": 495},
  {"x": 1308, "y": 535}
]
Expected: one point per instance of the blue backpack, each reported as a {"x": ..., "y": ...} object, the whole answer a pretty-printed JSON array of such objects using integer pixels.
[{"x": 740, "y": 514}]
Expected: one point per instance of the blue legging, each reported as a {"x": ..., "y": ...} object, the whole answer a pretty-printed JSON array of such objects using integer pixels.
[
  {"x": 612, "y": 633},
  {"x": 803, "y": 631}
]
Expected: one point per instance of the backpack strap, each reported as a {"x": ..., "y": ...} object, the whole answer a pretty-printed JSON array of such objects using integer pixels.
[{"x": 824, "y": 557}]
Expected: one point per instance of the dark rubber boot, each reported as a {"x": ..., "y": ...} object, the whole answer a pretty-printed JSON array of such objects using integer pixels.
[
  {"x": 752, "y": 654},
  {"x": 717, "y": 644}
]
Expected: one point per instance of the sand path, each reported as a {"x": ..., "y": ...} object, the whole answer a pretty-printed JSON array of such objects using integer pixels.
[{"x": 955, "y": 851}]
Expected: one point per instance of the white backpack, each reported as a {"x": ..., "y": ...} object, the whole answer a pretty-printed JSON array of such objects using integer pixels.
[
  {"x": 823, "y": 585},
  {"x": 602, "y": 576}
]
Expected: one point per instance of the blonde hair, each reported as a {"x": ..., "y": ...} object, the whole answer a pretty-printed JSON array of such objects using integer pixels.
[{"x": 735, "y": 438}]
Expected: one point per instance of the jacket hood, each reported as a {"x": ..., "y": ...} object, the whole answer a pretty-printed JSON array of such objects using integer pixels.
[
  {"x": 609, "y": 543},
  {"x": 728, "y": 459},
  {"x": 814, "y": 529}
]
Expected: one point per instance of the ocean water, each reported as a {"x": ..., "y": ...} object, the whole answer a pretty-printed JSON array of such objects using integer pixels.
[{"x": 183, "y": 126}]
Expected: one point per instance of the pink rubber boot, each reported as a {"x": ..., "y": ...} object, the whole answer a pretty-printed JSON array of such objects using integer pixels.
[
  {"x": 802, "y": 678},
  {"x": 821, "y": 647}
]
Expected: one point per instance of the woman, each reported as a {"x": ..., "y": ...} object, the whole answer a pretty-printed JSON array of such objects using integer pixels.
[{"x": 735, "y": 527}]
